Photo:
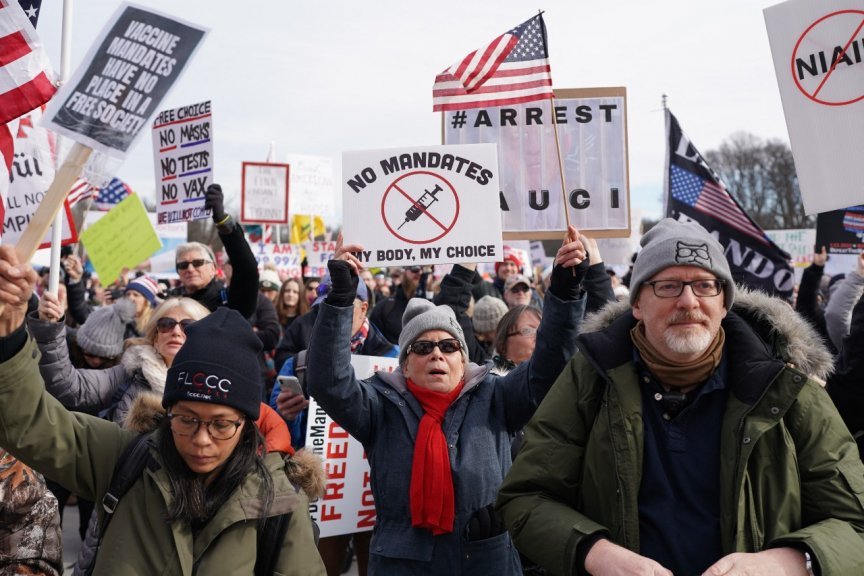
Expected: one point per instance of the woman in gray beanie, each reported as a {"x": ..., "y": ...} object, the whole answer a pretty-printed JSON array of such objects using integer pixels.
[{"x": 437, "y": 430}]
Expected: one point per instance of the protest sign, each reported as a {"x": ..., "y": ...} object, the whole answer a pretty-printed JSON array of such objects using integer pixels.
[
  {"x": 592, "y": 131},
  {"x": 163, "y": 261},
  {"x": 286, "y": 258},
  {"x": 30, "y": 176},
  {"x": 317, "y": 255},
  {"x": 426, "y": 205},
  {"x": 799, "y": 244},
  {"x": 313, "y": 185},
  {"x": 130, "y": 67},
  {"x": 123, "y": 238},
  {"x": 817, "y": 55},
  {"x": 183, "y": 159},
  {"x": 264, "y": 195},
  {"x": 347, "y": 505}
]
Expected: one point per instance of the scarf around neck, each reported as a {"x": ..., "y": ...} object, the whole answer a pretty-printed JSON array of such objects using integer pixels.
[
  {"x": 433, "y": 502},
  {"x": 676, "y": 374}
]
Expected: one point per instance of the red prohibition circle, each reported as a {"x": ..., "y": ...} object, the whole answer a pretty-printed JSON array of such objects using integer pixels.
[
  {"x": 831, "y": 70},
  {"x": 392, "y": 186}
]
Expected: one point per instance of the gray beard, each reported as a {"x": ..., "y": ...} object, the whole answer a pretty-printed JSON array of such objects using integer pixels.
[{"x": 690, "y": 342}]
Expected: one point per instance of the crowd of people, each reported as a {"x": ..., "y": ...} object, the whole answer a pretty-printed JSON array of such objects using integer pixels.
[{"x": 569, "y": 422}]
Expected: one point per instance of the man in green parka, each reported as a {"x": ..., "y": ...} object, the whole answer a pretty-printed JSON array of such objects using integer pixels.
[{"x": 689, "y": 436}]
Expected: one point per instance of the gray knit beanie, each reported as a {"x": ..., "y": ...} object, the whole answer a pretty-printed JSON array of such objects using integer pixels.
[
  {"x": 104, "y": 331},
  {"x": 674, "y": 243},
  {"x": 420, "y": 316},
  {"x": 488, "y": 311}
]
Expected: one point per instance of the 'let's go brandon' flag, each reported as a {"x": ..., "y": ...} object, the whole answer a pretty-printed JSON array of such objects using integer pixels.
[{"x": 695, "y": 192}]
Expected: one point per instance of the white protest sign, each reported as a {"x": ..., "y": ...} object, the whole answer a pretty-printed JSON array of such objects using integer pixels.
[
  {"x": 347, "y": 505},
  {"x": 183, "y": 160},
  {"x": 313, "y": 185},
  {"x": 592, "y": 130},
  {"x": 427, "y": 205},
  {"x": 30, "y": 176},
  {"x": 285, "y": 257},
  {"x": 163, "y": 262},
  {"x": 264, "y": 196},
  {"x": 817, "y": 49},
  {"x": 799, "y": 244},
  {"x": 130, "y": 67},
  {"x": 317, "y": 256}
]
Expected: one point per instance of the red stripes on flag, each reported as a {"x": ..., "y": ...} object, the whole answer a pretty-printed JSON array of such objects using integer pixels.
[
  {"x": 717, "y": 202},
  {"x": 24, "y": 69}
]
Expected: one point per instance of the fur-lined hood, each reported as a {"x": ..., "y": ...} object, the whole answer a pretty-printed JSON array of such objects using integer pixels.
[
  {"x": 793, "y": 339},
  {"x": 305, "y": 470},
  {"x": 150, "y": 362}
]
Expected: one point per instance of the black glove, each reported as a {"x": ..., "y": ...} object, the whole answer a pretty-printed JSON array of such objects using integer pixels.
[
  {"x": 343, "y": 288},
  {"x": 214, "y": 200},
  {"x": 566, "y": 284}
]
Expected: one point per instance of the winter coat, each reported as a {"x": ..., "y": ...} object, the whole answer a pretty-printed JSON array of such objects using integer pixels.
[
  {"x": 838, "y": 310},
  {"x": 387, "y": 314},
  {"x": 384, "y": 416},
  {"x": 789, "y": 470},
  {"x": 141, "y": 369},
  {"x": 30, "y": 534},
  {"x": 81, "y": 451},
  {"x": 242, "y": 295},
  {"x": 846, "y": 384}
]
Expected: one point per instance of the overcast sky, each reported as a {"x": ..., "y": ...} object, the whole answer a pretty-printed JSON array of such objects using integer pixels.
[{"x": 319, "y": 78}]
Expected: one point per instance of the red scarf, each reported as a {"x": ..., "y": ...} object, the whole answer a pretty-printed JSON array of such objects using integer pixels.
[{"x": 433, "y": 504}]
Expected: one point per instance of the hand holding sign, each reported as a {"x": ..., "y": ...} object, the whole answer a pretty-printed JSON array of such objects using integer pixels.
[
  {"x": 568, "y": 285},
  {"x": 17, "y": 279},
  {"x": 346, "y": 252}
]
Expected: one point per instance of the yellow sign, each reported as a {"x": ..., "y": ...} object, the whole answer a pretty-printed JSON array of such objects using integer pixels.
[{"x": 123, "y": 238}]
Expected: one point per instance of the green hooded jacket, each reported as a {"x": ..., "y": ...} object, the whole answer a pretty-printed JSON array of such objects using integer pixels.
[
  {"x": 790, "y": 471},
  {"x": 80, "y": 451}
]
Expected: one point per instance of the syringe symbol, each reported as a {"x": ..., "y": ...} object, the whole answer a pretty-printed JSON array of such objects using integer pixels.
[{"x": 421, "y": 205}]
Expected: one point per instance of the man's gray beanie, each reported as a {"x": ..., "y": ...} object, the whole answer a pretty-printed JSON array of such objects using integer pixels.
[
  {"x": 674, "y": 243},
  {"x": 105, "y": 329},
  {"x": 420, "y": 316}
]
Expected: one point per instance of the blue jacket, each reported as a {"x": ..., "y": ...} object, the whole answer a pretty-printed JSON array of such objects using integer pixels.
[{"x": 384, "y": 417}]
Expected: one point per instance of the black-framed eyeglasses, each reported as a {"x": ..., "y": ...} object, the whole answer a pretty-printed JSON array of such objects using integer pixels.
[
  {"x": 703, "y": 288},
  {"x": 425, "y": 347},
  {"x": 166, "y": 325},
  {"x": 197, "y": 263},
  {"x": 219, "y": 429},
  {"x": 527, "y": 331}
]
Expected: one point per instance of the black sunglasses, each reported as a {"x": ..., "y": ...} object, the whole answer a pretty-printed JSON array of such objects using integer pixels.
[
  {"x": 166, "y": 325},
  {"x": 520, "y": 288},
  {"x": 197, "y": 263},
  {"x": 425, "y": 347}
]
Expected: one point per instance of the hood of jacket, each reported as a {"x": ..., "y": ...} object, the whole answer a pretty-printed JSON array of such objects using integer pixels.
[
  {"x": 305, "y": 470},
  {"x": 145, "y": 358},
  {"x": 788, "y": 336}
]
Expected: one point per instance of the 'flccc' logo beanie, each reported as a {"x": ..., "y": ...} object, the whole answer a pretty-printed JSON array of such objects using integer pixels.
[{"x": 217, "y": 364}]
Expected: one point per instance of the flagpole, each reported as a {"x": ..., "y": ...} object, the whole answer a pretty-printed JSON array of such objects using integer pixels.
[
  {"x": 560, "y": 159},
  {"x": 57, "y": 230}
]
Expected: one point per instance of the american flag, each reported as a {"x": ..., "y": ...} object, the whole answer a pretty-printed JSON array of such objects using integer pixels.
[
  {"x": 80, "y": 191},
  {"x": 25, "y": 73},
  {"x": 711, "y": 198},
  {"x": 115, "y": 192},
  {"x": 512, "y": 69}
]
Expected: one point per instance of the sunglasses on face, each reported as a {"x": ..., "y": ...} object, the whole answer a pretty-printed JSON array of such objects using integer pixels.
[
  {"x": 166, "y": 325},
  {"x": 197, "y": 263},
  {"x": 425, "y": 347},
  {"x": 520, "y": 288}
]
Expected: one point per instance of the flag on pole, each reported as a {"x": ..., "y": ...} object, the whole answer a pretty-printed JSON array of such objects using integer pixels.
[
  {"x": 695, "y": 192},
  {"x": 112, "y": 194},
  {"x": 25, "y": 73},
  {"x": 81, "y": 190},
  {"x": 512, "y": 69}
]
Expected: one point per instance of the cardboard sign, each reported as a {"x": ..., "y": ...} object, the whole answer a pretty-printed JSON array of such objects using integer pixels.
[
  {"x": 317, "y": 256},
  {"x": 135, "y": 60},
  {"x": 313, "y": 185},
  {"x": 592, "y": 131},
  {"x": 123, "y": 238},
  {"x": 429, "y": 205},
  {"x": 799, "y": 244},
  {"x": 817, "y": 49},
  {"x": 183, "y": 158},
  {"x": 264, "y": 196},
  {"x": 347, "y": 506},
  {"x": 286, "y": 257},
  {"x": 30, "y": 176}
]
